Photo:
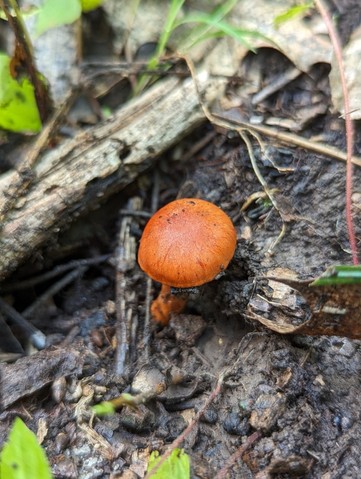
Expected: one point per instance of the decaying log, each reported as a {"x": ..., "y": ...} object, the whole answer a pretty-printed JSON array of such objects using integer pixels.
[{"x": 98, "y": 162}]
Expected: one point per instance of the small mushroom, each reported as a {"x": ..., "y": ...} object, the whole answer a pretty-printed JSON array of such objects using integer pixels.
[{"x": 185, "y": 244}]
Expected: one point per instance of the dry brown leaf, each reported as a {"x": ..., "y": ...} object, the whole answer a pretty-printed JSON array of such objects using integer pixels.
[
  {"x": 352, "y": 61},
  {"x": 303, "y": 41}
]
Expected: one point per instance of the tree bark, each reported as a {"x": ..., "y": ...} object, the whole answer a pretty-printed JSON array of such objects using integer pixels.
[{"x": 85, "y": 170}]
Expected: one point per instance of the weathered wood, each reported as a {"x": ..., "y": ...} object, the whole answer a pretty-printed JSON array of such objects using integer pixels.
[
  {"x": 88, "y": 168},
  {"x": 32, "y": 373}
]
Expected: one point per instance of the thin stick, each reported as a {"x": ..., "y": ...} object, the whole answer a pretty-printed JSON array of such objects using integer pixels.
[
  {"x": 146, "y": 325},
  {"x": 178, "y": 441},
  {"x": 222, "y": 474},
  {"x": 24, "y": 47},
  {"x": 53, "y": 290},
  {"x": 8, "y": 342},
  {"x": 267, "y": 190},
  {"x": 124, "y": 294},
  {"x": 284, "y": 137},
  {"x": 336, "y": 43},
  {"x": 36, "y": 337},
  {"x": 121, "y": 356},
  {"x": 62, "y": 268},
  {"x": 149, "y": 283}
]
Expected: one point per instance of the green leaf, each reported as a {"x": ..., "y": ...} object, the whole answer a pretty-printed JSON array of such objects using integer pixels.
[
  {"x": 104, "y": 408},
  {"x": 88, "y": 5},
  {"x": 176, "y": 466},
  {"x": 340, "y": 274},
  {"x": 291, "y": 13},
  {"x": 55, "y": 13},
  {"x": 22, "y": 457},
  {"x": 18, "y": 108}
]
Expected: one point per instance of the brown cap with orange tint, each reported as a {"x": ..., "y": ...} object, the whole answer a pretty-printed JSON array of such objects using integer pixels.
[{"x": 187, "y": 243}]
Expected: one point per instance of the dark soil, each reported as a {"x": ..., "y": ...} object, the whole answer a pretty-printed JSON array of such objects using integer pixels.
[{"x": 301, "y": 393}]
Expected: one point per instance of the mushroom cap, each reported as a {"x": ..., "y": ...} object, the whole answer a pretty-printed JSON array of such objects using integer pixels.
[{"x": 187, "y": 243}]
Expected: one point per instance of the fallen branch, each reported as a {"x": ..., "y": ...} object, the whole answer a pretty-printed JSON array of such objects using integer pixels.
[{"x": 85, "y": 170}]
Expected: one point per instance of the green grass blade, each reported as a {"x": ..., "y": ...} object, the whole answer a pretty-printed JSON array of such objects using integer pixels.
[
  {"x": 239, "y": 34},
  {"x": 201, "y": 30},
  {"x": 340, "y": 274},
  {"x": 291, "y": 13},
  {"x": 174, "y": 9},
  {"x": 169, "y": 26}
]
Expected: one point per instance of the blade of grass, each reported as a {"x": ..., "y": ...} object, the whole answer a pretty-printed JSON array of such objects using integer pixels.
[
  {"x": 339, "y": 274},
  {"x": 213, "y": 18},
  {"x": 226, "y": 29},
  {"x": 169, "y": 26},
  {"x": 291, "y": 13},
  {"x": 173, "y": 11},
  {"x": 210, "y": 25},
  {"x": 220, "y": 34}
]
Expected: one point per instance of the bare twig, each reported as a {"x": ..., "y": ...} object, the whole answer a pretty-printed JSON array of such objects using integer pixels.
[
  {"x": 146, "y": 326},
  {"x": 63, "y": 268},
  {"x": 8, "y": 342},
  {"x": 267, "y": 190},
  {"x": 148, "y": 294},
  {"x": 125, "y": 261},
  {"x": 35, "y": 336},
  {"x": 222, "y": 474},
  {"x": 336, "y": 43},
  {"x": 280, "y": 82},
  {"x": 199, "y": 145},
  {"x": 284, "y": 137},
  {"x": 54, "y": 289},
  {"x": 136, "y": 214},
  {"x": 24, "y": 56},
  {"x": 178, "y": 441}
]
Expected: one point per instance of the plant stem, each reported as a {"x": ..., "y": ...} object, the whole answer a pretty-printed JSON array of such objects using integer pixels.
[
  {"x": 24, "y": 55},
  {"x": 236, "y": 456},
  {"x": 336, "y": 43},
  {"x": 178, "y": 441},
  {"x": 173, "y": 11}
]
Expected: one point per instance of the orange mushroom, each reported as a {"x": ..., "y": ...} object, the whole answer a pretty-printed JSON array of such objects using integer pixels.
[{"x": 185, "y": 244}]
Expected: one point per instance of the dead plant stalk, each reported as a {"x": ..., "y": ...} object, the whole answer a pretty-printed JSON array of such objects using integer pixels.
[
  {"x": 178, "y": 441},
  {"x": 336, "y": 43}
]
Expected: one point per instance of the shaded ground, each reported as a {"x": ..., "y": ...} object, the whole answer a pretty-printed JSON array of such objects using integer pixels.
[{"x": 301, "y": 393}]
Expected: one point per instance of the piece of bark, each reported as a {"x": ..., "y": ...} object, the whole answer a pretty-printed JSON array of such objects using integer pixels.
[
  {"x": 30, "y": 374},
  {"x": 98, "y": 162}
]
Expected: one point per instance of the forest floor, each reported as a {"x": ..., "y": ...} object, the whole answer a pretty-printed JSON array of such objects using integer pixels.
[{"x": 301, "y": 393}]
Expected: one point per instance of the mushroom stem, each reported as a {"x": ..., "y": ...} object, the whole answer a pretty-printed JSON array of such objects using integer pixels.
[{"x": 166, "y": 304}]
